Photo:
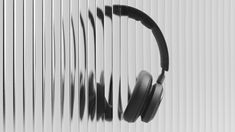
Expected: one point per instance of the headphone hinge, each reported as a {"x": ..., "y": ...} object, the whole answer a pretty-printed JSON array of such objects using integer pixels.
[{"x": 161, "y": 77}]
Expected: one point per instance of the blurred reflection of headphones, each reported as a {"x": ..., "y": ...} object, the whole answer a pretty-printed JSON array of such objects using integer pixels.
[{"x": 146, "y": 97}]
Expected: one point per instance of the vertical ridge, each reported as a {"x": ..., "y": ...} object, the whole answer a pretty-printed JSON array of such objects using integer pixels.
[
  {"x": 13, "y": 65},
  {"x": 33, "y": 65},
  {"x": 4, "y": 101}
]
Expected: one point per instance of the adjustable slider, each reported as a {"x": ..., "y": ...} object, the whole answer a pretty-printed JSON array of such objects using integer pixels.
[{"x": 161, "y": 78}]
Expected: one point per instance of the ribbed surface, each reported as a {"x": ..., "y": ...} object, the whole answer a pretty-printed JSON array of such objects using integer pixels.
[{"x": 49, "y": 46}]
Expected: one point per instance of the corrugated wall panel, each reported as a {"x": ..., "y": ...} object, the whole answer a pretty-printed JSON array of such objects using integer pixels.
[{"x": 54, "y": 52}]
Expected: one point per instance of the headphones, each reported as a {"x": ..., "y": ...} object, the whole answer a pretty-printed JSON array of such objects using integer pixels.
[{"x": 146, "y": 97}]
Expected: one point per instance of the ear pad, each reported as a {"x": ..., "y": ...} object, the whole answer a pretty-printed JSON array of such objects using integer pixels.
[
  {"x": 139, "y": 97},
  {"x": 153, "y": 102}
]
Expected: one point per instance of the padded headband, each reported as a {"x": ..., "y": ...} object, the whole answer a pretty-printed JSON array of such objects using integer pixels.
[{"x": 123, "y": 10}]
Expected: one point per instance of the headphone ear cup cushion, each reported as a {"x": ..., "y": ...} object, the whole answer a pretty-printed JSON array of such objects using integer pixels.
[
  {"x": 138, "y": 97},
  {"x": 153, "y": 102}
]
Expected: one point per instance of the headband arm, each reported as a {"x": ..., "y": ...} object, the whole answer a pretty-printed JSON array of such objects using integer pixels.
[{"x": 138, "y": 15}]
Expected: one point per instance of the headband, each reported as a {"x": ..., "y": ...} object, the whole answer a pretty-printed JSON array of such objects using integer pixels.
[{"x": 123, "y": 10}]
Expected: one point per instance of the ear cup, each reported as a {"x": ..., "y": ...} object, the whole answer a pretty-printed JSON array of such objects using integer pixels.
[
  {"x": 92, "y": 97},
  {"x": 82, "y": 97},
  {"x": 100, "y": 101},
  {"x": 109, "y": 102},
  {"x": 108, "y": 111},
  {"x": 120, "y": 111},
  {"x": 104, "y": 108},
  {"x": 152, "y": 103},
  {"x": 72, "y": 92},
  {"x": 138, "y": 97}
]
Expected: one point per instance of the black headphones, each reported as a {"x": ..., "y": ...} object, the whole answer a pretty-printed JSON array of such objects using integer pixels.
[{"x": 146, "y": 98}]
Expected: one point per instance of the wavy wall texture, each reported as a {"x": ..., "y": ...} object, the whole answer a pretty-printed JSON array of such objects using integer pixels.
[{"x": 54, "y": 51}]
